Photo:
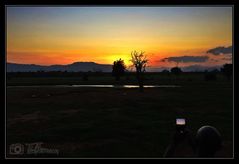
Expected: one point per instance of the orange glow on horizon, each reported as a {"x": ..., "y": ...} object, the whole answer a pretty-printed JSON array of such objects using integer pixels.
[{"x": 103, "y": 35}]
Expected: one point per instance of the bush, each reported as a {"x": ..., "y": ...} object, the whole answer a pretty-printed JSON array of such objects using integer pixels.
[
  {"x": 176, "y": 70},
  {"x": 85, "y": 77},
  {"x": 210, "y": 76}
]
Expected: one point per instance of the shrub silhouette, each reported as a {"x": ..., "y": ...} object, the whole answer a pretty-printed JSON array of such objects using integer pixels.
[
  {"x": 165, "y": 71},
  {"x": 227, "y": 70},
  {"x": 85, "y": 77},
  {"x": 210, "y": 76},
  {"x": 176, "y": 70},
  {"x": 118, "y": 69}
]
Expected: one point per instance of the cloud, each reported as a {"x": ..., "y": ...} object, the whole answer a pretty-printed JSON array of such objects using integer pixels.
[
  {"x": 220, "y": 50},
  {"x": 214, "y": 60},
  {"x": 186, "y": 59},
  {"x": 227, "y": 59}
]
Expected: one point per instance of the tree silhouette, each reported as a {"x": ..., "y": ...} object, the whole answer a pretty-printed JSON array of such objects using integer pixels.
[
  {"x": 85, "y": 76},
  {"x": 176, "y": 70},
  {"x": 118, "y": 69},
  {"x": 139, "y": 61},
  {"x": 227, "y": 70}
]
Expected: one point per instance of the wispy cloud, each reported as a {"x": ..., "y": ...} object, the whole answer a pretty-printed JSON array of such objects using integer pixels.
[
  {"x": 220, "y": 50},
  {"x": 186, "y": 59},
  {"x": 227, "y": 59}
]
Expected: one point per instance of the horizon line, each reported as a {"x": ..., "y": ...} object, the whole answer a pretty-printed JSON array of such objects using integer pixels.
[{"x": 112, "y": 64}]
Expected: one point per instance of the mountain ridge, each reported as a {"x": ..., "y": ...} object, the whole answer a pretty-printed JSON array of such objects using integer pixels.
[
  {"x": 74, "y": 67},
  {"x": 94, "y": 67}
]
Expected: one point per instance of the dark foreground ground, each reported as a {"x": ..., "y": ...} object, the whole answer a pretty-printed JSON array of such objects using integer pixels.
[{"x": 110, "y": 122}]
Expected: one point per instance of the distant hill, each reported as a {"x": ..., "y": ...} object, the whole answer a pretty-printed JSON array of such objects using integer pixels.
[
  {"x": 94, "y": 67},
  {"x": 74, "y": 67}
]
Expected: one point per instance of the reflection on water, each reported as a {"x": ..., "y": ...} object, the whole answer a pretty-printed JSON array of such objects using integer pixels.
[
  {"x": 124, "y": 86},
  {"x": 101, "y": 86}
]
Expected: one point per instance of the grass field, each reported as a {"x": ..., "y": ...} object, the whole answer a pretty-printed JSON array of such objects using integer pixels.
[{"x": 113, "y": 122}]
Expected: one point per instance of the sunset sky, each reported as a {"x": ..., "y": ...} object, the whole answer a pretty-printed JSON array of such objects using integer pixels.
[{"x": 63, "y": 35}]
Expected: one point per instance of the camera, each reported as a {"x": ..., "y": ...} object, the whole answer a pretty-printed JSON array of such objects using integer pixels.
[
  {"x": 180, "y": 124},
  {"x": 16, "y": 149}
]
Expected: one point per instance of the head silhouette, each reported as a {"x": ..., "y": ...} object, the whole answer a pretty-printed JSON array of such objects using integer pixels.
[{"x": 208, "y": 141}]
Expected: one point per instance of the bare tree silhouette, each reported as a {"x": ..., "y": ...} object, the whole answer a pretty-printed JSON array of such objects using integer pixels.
[{"x": 139, "y": 61}]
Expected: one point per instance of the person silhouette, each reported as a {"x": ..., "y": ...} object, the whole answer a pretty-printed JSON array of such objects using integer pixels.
[{"x": 206, "y": 143}]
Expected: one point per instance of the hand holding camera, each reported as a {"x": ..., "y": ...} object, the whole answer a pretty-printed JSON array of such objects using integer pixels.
[{"x": 182, "y": 132}]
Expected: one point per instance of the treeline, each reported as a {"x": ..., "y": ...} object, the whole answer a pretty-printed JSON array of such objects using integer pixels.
[
  {"x": 226, "y": 70},
  {"x": 55, "y": 74},
  {"x": 80, "y": 74}
]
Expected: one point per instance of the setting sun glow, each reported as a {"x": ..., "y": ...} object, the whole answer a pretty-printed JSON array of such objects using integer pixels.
[{"x": 63, "y": 35}]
